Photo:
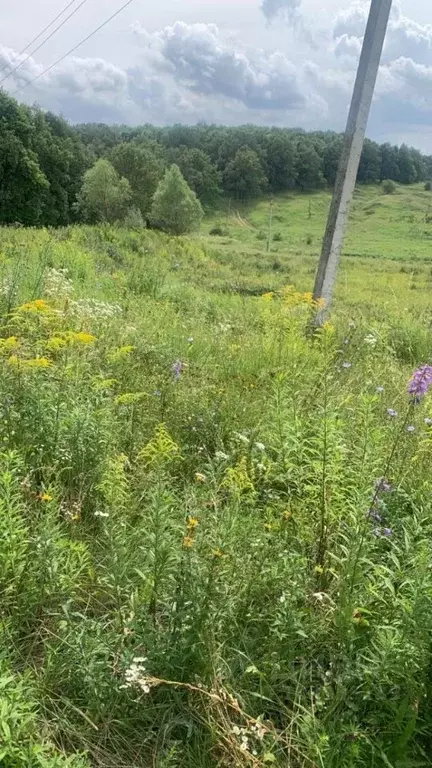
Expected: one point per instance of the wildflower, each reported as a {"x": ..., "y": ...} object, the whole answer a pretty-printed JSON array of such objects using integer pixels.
[
  {"x": 45, "y": 497},
  {"x": 98, "y": 513},
  {"x": 177, "y": 369},
  {"x": 411, "y": 428},
  {"x": 157, "y": 393},
  {"x": 383, "y": 532},
  {"x": 374, "y": 515},
  {"x": 260, "y": 446},
  {"x": 192, "y": 523},
  {"x": 37, "y": 362},
  {"x": 346, "y": 365},
  {"x": 190, "y": 340},
  {"x": 379, "y": 390},
  {"x": 188, "y": 542},
  {"x": 85, "y": 338},
  {"x": 243, "y": 439},
  {"x": 392, "y": 413},
  {"x": 421, "y": 382},
  {"x": 200, "y": 478},
  {"x": 39, "y": 305},
  {"x": 218, "y": 552},
  {"x": 346, "y": 341},
  {"x": 428, "y": 422},
  {"x": 136, "y": 675},
  {"x": 221, "y": 456}
]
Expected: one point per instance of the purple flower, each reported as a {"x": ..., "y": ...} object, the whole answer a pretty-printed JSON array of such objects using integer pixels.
[
  {"x": 421, "y": 382},
  {"x": 428, "y": 422},
  {"x": 383, "y": 532},
  {"x": 391, "y": 412},
  {"x": 387, "y": 532},
  {"x": 411, "y": 428},
  {"x": 346, "y": 365},
  {"x": 379, "y": 390},
  {"x": 374, "y": 515},
  {"x": 177, "y": 369}
]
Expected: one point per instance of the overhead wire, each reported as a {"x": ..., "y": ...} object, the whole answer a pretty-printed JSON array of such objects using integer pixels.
[
  {"x": 59, "y": 26},
  {"x": 53, "y": 21},
  {"x": 72, "y": 50}
]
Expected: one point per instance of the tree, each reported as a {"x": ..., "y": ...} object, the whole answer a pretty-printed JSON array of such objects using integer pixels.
[
  {"x": 280, "y": 151},
  {"x": 370, "y": 163},
  {"x": 143, "y": 166},
  {"x": 176, "y": 208},
  {"x": 407, "y": 171},
  {"x": 104, "y": 195},
  {"x": 244, "y": 176},
  {"x": 389, "y": 162},
  {"x": 202, "y": 176},
  {"x": 331, "y": 157},
  {"x": 309, "y": 166},
  {"x": 22, "y": 183}
]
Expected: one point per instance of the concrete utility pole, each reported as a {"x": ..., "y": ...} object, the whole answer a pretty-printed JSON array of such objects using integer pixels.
[{"x": 351, "y": 152}]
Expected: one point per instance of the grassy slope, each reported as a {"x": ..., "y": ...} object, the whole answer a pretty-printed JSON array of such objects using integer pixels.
[{"x": 265, "y": 582}]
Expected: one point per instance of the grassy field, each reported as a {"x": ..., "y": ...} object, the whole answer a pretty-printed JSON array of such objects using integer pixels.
[{"x": 215, "y": 531}]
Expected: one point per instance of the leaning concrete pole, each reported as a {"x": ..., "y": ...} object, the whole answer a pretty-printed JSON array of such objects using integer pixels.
[{"x": 351, "y": 151}]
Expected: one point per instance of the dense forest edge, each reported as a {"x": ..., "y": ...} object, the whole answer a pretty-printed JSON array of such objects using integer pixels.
[{"x": 44, "y": 161}]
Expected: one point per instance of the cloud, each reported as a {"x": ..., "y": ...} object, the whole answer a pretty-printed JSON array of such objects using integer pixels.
[
  {"x": 198, "y": 57},
  {"x": 405, "y": 37},
  {"x": 286, "y": 8}
]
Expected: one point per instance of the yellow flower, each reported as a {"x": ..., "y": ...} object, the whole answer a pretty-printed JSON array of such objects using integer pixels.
[
  {"x": 192, "y": 523},
  {"x": 319, "y": 570},
  {"x": 55, "y": 343},
  {"x": 218, "y": 552},
  {"x": 188, "y": 542},
  {"x": 287, "y": 515},
  {"x": 39, "y": 305},
  {"x": 267, "y": 296},
  {"x": 200, "y": 478},
  {"x": 7, "y": 345},
  {"x": 37, "y": 362},
  {"x": 120, "y": 353},
  {"x": 45, "y": 497},
  {"x": 84, "y": 338},
  {"x": 14, "y": 361}
]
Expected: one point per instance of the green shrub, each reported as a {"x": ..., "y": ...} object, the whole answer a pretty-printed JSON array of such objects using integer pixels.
[{"x": 388, "y": 187}]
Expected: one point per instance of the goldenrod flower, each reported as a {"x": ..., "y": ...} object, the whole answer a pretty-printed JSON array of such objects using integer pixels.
[
  {"x": 188, "y": 542},
  {"x": 192, "y": 523},
  {"x": 45, "y": 496},
  {"x": 39, "y": 305},
  {"x": 84, "y": 338}
]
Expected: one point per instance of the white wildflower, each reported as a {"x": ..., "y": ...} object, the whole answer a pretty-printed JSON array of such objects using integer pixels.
[
  {"x": 221, "y": 456},
  {"x": 98, "y": 513},
  {"x": 370, "y": 340},
  {"x": 260, "y": 446},
  {"x": 57, "y": 283},
  {"x": 136, "y": 675}
]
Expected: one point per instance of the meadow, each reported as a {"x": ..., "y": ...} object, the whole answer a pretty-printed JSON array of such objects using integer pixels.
[{"x": 215, "y": 529}]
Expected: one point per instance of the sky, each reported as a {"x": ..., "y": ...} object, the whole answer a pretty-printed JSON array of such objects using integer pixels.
[{"x": 287, "y": 63}]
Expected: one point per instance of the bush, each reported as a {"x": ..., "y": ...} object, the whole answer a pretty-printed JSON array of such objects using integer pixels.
[
  {"x": 428, "y": 186},
  {"x": 388, "y": 187},
  {"x": 134, "y": 219},
  {"x": 261, "y": 235},
  {"x": 218, "y": 231},
  {"x": 176, "y": 208},
  {"x": 277, "y": 237},
  {"x": 309, "y": 240}
]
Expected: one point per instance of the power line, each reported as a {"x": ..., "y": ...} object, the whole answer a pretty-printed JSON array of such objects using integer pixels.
[
  {"x": 59, "y": 26},
  {"x": 72, "y": 50},
  {"x": 53, "y": 21}
]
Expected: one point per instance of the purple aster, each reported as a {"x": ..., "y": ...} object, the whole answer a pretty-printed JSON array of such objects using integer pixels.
[
  {"x": 391, "y": 412},
  {"x": 177, "y": 369},
  {"x": 374, "y": 515},
  {"x": 346, "y": 365},
  {"x": 421, "y": 382},
  {"x": 387, "y": 532}
]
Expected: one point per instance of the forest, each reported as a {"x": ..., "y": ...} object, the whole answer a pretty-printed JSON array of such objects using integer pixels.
[{"x": 43, "y": 161}]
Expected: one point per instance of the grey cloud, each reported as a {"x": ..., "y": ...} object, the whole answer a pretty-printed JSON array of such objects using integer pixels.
[
  {"x": 199, "y": 57},
  {"x": 287, "y": 8},
  {"x": 405, "y": 37}
]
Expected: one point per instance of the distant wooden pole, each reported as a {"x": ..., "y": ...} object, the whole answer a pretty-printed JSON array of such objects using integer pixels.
[
  {"x": 270, "y": 222},
  {"x": 351, "y": 152}
]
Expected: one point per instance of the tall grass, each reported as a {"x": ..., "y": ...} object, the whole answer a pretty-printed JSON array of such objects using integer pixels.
[{"x": 215, "y": 532}]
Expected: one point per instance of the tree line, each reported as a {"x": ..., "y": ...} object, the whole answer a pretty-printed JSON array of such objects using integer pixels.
[{"x": 52, "y": 173}]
